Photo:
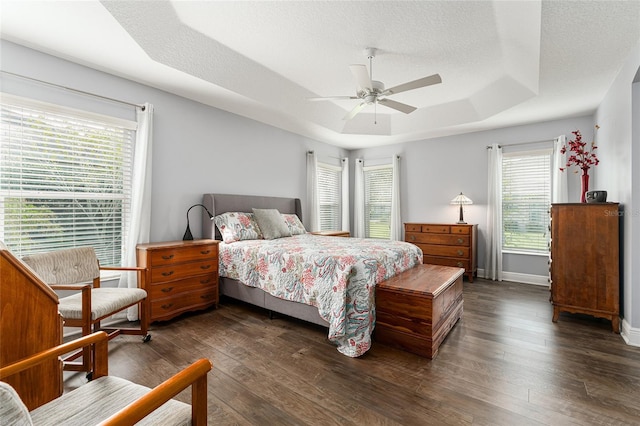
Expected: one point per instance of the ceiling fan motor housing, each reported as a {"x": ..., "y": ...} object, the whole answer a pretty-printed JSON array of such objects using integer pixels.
[{"x": 370, "y": 96}]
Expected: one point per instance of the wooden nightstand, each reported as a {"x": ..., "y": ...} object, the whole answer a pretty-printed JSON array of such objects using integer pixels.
[
  {"x": 332, "y": 233},
  {"x": 182, "y": 276}
]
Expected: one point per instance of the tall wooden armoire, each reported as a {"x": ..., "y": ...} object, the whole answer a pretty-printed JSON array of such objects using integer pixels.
[
  {"x": 29, "y": 323},
  {"x": 585, "y": 260}
]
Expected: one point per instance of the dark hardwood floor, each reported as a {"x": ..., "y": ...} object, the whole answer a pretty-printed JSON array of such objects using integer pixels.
[{"x": 504, "y": 363}]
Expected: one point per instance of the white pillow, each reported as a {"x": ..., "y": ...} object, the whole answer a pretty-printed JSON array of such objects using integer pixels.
[
  {"x": 293, "y": 222},
  {"x": 271, "y": 223}
]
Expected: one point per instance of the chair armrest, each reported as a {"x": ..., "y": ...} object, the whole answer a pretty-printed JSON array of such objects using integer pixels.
[
  {"x": 70, "y": 286},
  {"x": 122, "y": 268},
  {"x": 99, "y": 340},
  {"x": 194, "y": 375}
]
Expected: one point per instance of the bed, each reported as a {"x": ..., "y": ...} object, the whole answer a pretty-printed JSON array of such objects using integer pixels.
[{"x": 334, "y": 288}]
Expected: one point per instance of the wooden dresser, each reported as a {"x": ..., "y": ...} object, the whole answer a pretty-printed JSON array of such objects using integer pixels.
[
  {"x": 584, "y": 260},
  {"x": 181, "y": 276},
  {"x": 448, "y": 245}
]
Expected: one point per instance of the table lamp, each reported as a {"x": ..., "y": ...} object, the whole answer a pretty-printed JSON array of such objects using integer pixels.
[
  {"x": 187, "y": 233},
  {"x": 461, "y": 200}
]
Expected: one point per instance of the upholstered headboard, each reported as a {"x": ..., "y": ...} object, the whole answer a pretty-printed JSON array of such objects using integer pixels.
[{"x": 221, "y": 203}]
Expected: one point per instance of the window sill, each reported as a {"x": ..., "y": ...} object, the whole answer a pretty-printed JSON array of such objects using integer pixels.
[{"x": 525, "y": 253}]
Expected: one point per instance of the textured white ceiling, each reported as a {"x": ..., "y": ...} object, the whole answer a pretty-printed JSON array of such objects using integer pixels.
[{"x": 502, "y": 63}]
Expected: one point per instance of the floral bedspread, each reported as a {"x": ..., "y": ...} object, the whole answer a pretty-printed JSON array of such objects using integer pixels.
[{"x": 337, "y": 275}]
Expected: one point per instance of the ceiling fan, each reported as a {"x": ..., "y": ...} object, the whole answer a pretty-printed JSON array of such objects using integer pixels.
[{"x": 372, "y": 92}]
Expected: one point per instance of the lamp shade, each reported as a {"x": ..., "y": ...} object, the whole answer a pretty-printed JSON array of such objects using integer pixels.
[{"x": 461, "y": 200}]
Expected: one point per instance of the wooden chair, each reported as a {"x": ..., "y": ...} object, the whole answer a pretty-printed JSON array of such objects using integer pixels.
[
  {"x": 107, "y": 400},
  {"x": 79, "y": 269}
]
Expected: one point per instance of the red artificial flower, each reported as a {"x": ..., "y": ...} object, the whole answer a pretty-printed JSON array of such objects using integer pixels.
[{"x": 580, "y": 157}]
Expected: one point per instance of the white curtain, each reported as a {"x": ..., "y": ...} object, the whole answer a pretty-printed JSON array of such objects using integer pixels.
[
  {"x": 345, "y": 194},
  {"x": 358, "y": 200},
  {"x": 140, "y": 219},
  {"x": 559, "y": 185},
  {"x": 313, "y": 203},
  {"x": 396, "y": 218},
  {"x": 493, "y": 249}
]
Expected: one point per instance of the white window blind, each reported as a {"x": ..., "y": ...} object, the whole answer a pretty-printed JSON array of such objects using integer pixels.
[
  {"x": 65, "y": 179},
  {"x": 330, "y": 196},
  {"x": 526, "y": 198},
  {"x": 377, "y": 201}
]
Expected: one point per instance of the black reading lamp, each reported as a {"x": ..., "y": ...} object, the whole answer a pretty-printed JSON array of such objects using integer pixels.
[
  {"x": 187, "y": 233},
  {"x": 462, "y": 200}
]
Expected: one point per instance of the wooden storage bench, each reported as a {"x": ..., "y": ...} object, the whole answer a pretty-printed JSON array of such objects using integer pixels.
[{"x": 416, "y": 309}]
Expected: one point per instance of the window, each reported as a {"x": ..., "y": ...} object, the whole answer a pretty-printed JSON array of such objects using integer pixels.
[
  {"x": 65, "y": 179},
  {"x": 377, "y": 201},
  {"x": 526, "y": 197},
  {"x": 329, "y": 196}
]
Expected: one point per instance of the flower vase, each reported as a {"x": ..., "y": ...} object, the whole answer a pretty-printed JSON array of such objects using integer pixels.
[{"x": 584, "y": 185}]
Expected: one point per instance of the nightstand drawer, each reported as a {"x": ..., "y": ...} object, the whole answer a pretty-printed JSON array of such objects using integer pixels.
[
  {"x": 167, "y": 308},
  {"x": 170, "y": 256},
  {"x": 183, "y": 270},
  {"x": 173, "y": 288}
]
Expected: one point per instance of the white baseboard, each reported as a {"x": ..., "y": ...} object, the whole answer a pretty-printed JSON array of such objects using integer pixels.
[
  {"x": 541, "y": 280},
  {"x": 630, "y": 335}
]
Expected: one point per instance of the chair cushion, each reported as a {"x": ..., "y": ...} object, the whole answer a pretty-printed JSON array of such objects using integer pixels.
[
  {"x": 97, "y": 400},
  {"x": 69, "y": 266},
  {"x": 104, "y": 301},
  {"x": 12, "y": 409}
]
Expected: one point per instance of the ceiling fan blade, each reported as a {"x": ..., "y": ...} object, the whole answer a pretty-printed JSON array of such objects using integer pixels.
[
  {"x": 407, "y": 109},
  {"x": 361, "y": 75},
  {"x": 331, "y": 98},
  {"x": 355, "y": 111},
  {"x": 416, "y": 84}
]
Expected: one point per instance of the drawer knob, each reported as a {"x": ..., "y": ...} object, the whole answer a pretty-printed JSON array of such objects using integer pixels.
[
  {"x": 459, "y": 264},
  {"x": 412, "y": 238},
  {"x": 205, "y": 281},
  {"x": 167, "y": 289},
  {"x": 167, "y": 274},
  {"x": 167, "y": 306},
  {"x": 460, "y": 241},
  {"x": 205, "y": 251},
  {"x": 206, "y": 296},
  {"x": 167, "y": 256},
  {"x": 460, "y": 252},
  {"x": 205, "y": 266}
]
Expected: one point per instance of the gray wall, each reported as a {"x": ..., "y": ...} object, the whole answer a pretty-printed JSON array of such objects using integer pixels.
[{"x": 619, "y": 173}]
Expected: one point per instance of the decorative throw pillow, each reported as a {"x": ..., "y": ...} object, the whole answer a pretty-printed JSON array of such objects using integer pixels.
[
  {"x": 295, "y": 225},
  {"x": 12, "y": 409},
  {"x": 237, "y": 226},
  {"x": 271, "y": 223}
]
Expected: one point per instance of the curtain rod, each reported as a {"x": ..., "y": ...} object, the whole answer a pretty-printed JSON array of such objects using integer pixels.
[
  {"x": 521, "y": 143},
  {"x": 72, "y": 89}
]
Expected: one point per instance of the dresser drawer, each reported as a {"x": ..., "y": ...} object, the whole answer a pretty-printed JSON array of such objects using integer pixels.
[
  {"x": 172, "y": 288},
  {"x": 183, "y": 270},
  {"x": 448, "y": 251},
  {"x": 436, "y": 229},
  {"x": 444, "y": 239},
  {"x": 171, "y": 306},
  {"x": 447, "y": 261},
  {"x": 172, "y": 255},
  {"x": 460, "y": 230},
  {"x": 412, "y": 227}
]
